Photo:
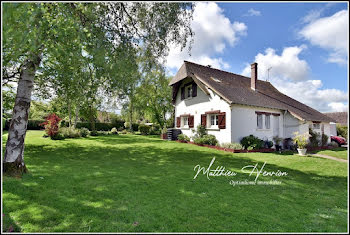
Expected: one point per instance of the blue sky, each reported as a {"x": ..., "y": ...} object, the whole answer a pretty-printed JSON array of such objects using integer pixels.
[{"x": 306, "y": 44}]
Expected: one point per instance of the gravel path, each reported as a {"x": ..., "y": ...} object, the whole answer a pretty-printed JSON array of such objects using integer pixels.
[{"x": 329, "y": 157}]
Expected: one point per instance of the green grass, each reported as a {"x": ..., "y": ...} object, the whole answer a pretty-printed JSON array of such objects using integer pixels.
[
  {"x": 336, "y": 152},
  {"x": 131, "y": 183}
]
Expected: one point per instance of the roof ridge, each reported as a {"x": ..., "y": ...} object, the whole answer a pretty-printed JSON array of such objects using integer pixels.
[{"x": 186, "y": 61}]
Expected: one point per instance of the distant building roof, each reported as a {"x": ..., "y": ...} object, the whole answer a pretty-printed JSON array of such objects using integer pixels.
[{"x": 339, "y": 117}]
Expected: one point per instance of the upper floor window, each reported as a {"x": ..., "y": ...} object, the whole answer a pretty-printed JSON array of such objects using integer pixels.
[
  {"x": 259, "y": 121},
  {"x": 188, "y": 90}
]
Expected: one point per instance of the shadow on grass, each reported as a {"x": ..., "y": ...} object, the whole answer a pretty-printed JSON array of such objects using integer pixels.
[{"x": 141, "y": 184}]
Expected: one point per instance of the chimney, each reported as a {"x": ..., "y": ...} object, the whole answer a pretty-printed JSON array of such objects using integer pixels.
[{"x": 254, "y": 76}]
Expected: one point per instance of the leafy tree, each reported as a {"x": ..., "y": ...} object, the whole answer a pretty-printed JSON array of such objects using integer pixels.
[{"x": 37, "y": 33}]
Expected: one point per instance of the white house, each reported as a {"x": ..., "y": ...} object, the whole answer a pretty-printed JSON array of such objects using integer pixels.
[{"x": 232, "y": 106}]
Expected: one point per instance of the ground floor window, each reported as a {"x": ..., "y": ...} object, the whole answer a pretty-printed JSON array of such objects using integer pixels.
[
  {"x": 185, "y": 121},
  {"x": 267, "y": 121},
  {"x": 259, "y": 121},
  {"x": 214, "y": 120}
]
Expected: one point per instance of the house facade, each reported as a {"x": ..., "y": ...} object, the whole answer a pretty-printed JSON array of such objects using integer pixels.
[{"x": 232, "y": 106}]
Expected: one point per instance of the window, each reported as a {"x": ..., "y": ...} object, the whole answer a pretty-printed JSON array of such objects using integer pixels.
[
  {"x": 185, "y": 121},
  {"x": 267, "y": 121},
  {"x": 316, "y": 125},
  {"x": 214, "y": 120},
  {"x": 259, "y": 121}
]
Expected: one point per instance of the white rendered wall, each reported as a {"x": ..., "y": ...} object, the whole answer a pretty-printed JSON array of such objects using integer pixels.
[
  {"x": 244, "y": 123},
  {"x": 200, "y": 104}
]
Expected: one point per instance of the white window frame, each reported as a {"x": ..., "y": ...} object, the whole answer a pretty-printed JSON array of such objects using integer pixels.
[
  {"x": 267, "y": 121},
  {"x": 213, "y": 118},
  {"x": 184, "y": 122},
  {"x": 259, "y": 127}
]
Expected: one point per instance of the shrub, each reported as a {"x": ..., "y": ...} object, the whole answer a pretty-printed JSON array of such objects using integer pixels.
[
  {"x": 183, "y": 137},
  {"x": 342, "y": 131},
  {"x": 236, "y": 146},
  {"x": 200, "y": 132},
  {"x": 333, "y": 144},
  {"x": 84, "y": 132},
  {"x": 144, "y": 129},
  {"x": 124, "y": 132},
  {"x": 127, "y": 125},
  {"x": 252, "y": 142},
  {"x": 114, "y": 131},
  {"x": 206, "y": 139},
  {"x": 69, "y": 132},
  {"x": 301, "y": 140},
  {"x": 58, "y": 136},
  {"x": 324, "y": 140},
  {"x": 93, "y": 133},
  {"x": 277, "y": 140},
  {"x": 99, "y": 126},
  {"x": 268, "y": 144},
  {"x": 51, "y": 125},
  {"x": 315, "y": 138}
]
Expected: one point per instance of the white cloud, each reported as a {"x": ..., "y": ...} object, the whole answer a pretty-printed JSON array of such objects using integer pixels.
[
  {"x": 338, "y": 107},
  {"x": 252, "y": 12},
  {"x": 330, "y": 33},
  {"x": 290, "y": 75},
  {"x": 286, "y": 65},
  {"x": 213, "y": 33}
]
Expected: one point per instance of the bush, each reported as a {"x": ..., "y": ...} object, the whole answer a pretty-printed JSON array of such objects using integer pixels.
[
  {"x": 200, "y": 132},
  {"x": 93, "y": 133},
  {"x": 333, "y": 144},
  {"x": 51, "y": 125},
  {"x": 314, "y": 139},
  {"x": 99, "y": 126},
  {"x": 58, "y": 136},
  {"x": 124, "y": 132},
  {"x": 342, "y": 131},
  {"x": 183, "y": 137},
  {"x": 206, "y": 139},
  {"x": 69, "y": 132},
  {"x": 236, "y": 146},
  {"x": 144, "y": 129},
  {"x": 251, "y": 142},
  {"x": 114, "y": 131},
  {"x": 324, "y": 140},
  {"x": 268, "y": 144},
  {"x": 127, "y": 125},
  {"x": 84, "y": 132}
]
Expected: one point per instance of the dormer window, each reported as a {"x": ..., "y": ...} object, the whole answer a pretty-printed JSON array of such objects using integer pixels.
[{"x": 189, "y": 90}]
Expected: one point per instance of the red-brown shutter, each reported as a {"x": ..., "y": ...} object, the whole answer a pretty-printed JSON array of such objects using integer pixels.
[
  {"x": 204, "y": 120},
  {"x": 194, "y": 89},
  {"x": 191, "y": 121},
  {"x": 222, "y": 120},
  {"x": 182, "y": 93},
  {"x": 178, "y": 122}
]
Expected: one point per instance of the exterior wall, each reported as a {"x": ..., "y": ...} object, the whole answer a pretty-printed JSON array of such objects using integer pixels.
[
  {"x": 291, "y": 125},
  {"x": 244, "y": 123},
  {"x": 333, "y": 129},
  {"x": 200, "y": 104}
]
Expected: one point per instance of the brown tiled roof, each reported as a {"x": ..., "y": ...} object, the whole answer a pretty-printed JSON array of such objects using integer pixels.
[
  {"x": 236, "y": 89},
  {"x": 339, "y": 117}
]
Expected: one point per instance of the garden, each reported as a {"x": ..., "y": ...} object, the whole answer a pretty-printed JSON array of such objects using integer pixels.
[{"x": 138, "y": 183}]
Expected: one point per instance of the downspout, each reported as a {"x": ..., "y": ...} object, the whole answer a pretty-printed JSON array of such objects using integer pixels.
[{"x": 284, "y": 124}]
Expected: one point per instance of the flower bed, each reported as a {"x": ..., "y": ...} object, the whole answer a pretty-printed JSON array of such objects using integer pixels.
[
  {"x": 230, "y": 150},
  {"x": 318, "y": 148}
]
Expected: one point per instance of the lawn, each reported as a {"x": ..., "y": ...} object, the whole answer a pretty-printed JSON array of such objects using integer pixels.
[
  {"x": 131, "y": 183},
  {"x": 336, "y": 152}
]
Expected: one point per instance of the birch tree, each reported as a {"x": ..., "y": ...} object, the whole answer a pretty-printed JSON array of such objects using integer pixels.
[{"x": 33, "y": 32}]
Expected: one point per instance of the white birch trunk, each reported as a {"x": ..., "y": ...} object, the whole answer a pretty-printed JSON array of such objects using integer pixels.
[{"x": 13, "y": 163}]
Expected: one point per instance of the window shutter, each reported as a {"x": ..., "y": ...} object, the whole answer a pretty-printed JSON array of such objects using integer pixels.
[
  {"x": 222, "y": 120},
  {"x": 191, "y": 121},
  {"x": 204, "y": 120},
  {"x": 182, "y": 93},
  {"x": 194, "y": 89},
  {"x": 178, "y": 122}
]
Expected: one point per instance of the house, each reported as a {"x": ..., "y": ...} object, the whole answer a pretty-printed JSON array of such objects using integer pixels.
[
  {"x": 232, "y": 106},
  {"x": 340, "y": 118}
]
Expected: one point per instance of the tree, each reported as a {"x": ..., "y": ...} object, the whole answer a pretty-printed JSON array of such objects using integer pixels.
[{"x": 33, "y": 32}]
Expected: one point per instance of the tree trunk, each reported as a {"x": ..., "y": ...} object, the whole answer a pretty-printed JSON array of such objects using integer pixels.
[
  {"x": 76, "y": 116},
  {"x": 13, "y": 163},
  {"x": 130, "y": 110},
  {"x": 70, "y": 114},
  {"x": 92, "y": 120}
]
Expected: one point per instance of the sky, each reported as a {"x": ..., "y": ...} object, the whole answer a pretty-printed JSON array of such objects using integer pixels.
[{"x": 304, "y": 44}]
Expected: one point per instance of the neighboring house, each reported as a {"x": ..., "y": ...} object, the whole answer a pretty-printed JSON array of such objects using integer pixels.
[
  {"x": 232, "y": 106},
  {"x": 340, "y": 118}
]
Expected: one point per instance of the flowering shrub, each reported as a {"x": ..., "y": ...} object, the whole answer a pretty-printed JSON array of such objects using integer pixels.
[{"x": 51, "y": 125}]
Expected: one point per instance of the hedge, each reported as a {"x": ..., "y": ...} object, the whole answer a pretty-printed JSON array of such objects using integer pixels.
[{"x": 34, "y": 125}]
